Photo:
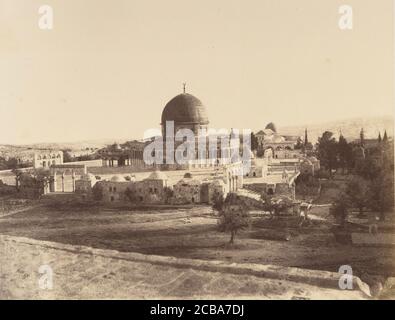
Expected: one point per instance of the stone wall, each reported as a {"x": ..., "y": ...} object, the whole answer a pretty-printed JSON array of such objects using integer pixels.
[{"x": 320, "y": 279}]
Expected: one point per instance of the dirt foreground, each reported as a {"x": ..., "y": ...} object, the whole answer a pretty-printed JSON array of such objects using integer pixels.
[{"x": 24, "y": 275}]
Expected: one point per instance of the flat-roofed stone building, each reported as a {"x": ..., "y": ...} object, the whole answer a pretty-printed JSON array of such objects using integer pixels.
[{"x": 47, "y": 159}]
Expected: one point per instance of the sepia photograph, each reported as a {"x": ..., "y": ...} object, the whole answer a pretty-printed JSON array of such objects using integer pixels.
[{"x": 212, "y": 150}]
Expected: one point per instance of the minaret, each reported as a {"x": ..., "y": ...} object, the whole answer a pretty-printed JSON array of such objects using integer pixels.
[
  {"x": 362, "y": 138},
  {"x": 306, "y": 141},
  {"x": 184, "y": 87},
  {"x": 379, "y": 138}
]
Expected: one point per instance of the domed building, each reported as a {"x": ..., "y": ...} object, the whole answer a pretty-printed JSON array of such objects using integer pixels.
[
  {"x": 282, "y": 146},
  {"x": 117, "y": 178},
  {"x": 187, "y": 112},
  {"x": 272, "y": 127},
  {"x": 184, "y": 111}
]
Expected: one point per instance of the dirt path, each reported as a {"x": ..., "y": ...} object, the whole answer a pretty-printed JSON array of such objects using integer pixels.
[{"x": 27, "y": 208}]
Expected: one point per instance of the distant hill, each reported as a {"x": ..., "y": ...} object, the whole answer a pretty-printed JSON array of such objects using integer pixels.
[
  {"x": 25, "y": 152},
  {"x": 349, "y": 127}
]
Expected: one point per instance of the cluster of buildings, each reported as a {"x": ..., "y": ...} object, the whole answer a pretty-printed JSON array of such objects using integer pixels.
[
  {"x": 155, "y": 188},
  {"x": 279, "y": 146},
  {"x": 124, "y": 175}
]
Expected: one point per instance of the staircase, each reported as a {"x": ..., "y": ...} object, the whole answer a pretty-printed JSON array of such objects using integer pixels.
[{"x": 252, "y": 198}]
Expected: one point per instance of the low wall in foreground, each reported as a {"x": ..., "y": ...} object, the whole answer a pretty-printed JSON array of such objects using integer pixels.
[{"x": 323, "y": 279}]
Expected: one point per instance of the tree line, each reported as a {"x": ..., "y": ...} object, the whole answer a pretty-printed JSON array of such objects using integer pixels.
[{"x": 371, "y": 169}]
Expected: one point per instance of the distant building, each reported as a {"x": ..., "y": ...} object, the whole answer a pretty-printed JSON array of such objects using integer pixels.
[
  {"x": 184, "y": 111},
  {"x": 148, "y": 190},
  {"x": 281, "y": 146},
  {"x": 47, "y": 159},
  {"x": 64, "y": 176},
  {"x": 274, "y": 184},
  {"x": 84, "y": 185},
  {"x": 127, "y": 154}
]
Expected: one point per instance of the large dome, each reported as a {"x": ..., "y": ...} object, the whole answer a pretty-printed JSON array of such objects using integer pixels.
[
  {"x": 185, "y": 108},
  {"x": 271, "y": 126}
]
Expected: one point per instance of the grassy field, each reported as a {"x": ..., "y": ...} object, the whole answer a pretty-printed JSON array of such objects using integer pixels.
[{"x": 193, "y": 233}]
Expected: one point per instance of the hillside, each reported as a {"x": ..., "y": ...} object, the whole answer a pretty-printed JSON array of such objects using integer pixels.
[
  {"x": 25, "y": 152},
  {"x": 349, "y": 127}
]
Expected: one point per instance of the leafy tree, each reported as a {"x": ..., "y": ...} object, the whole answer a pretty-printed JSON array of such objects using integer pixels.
[
  {"x": 378, "y": 168},
  {"x": 340, "y": 209},
  {"x": 12, "y": 163},
  {"x": 274, "y": 205},
  {"x": 345, "y": 153},
  {"x": 234, "y": 215},
  {"x": 308, "y": 146},
  {"x": 327, "y": 151},
  {"x": 254, "y": 142},
  {"x": 381, "y": 192},
  {"x": 97, "y": 192},
  {"x": 18, "y": 173},
  {"x": 299, "y": 144},
  {"x": 260, "y": 153},
  {"x": 306, "y": 184},
  {"x": 267, "y": 203},
  {"x": 357, "y": 191},
  {"x": 217, "y": 200},
  {"x": 368, "y": 168},
  {"x": 86, "y": 157},
  {"x": 385, "y": 138},
  {"x": 67, "y": 156}
]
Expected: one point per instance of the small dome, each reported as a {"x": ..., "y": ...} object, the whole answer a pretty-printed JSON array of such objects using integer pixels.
[
  {"x": 117, "y": 178},
  {"x": 188, "y": 175},
  {"x": 157, "y": 175},
  {"x": 191, "y": 182},
  {"x": 278, "y": 139},
  {"x": 271, "y": 126},
  {"x": 116, "y": 146},
  {"x": 185, "y": 108},
  {"x": 268, "y": 132},
  {"x": 129, "y": 177}
]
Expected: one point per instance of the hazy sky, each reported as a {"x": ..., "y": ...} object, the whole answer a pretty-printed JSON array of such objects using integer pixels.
[{"x": 108, "y": 67}]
